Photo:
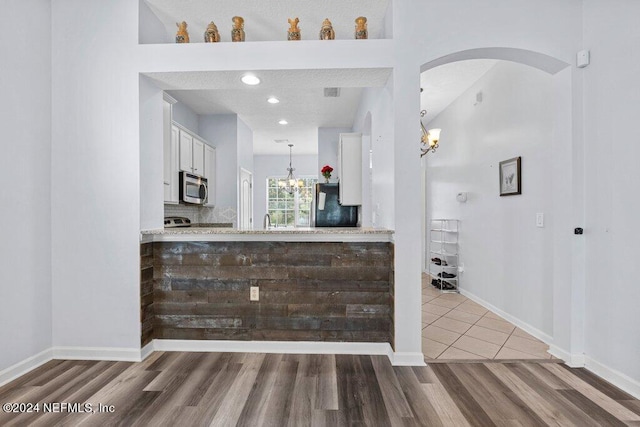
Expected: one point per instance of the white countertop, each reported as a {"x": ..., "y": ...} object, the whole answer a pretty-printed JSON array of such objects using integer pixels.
[{"x": 320, "y": 234}]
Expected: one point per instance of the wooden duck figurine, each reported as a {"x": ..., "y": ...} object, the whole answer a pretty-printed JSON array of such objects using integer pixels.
[
  {"x": 211, "y": 35},
  {"x": 237, "y": 32},
  {"x": 361, "y": 28},
  {"x": 182, "y": 36},
  {"x": 326, "y": 32},
  {"x": 294, "y": 31}
]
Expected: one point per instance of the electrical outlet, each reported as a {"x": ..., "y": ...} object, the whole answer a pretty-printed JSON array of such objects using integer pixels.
[{"x": 254, "y": 293}]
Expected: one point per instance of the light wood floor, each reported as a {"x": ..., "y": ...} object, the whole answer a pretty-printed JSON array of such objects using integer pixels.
[{"x": 183, "y": 389}]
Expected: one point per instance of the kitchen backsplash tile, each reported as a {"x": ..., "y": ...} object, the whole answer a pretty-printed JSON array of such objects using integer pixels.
[{"x": 201, "y": 214}]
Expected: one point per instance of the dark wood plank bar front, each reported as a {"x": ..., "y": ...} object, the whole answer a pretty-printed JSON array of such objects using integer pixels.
[{"x": 308, "y": 291}]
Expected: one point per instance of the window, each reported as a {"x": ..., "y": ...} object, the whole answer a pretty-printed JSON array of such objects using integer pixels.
[{"x": 290, "y": 210}]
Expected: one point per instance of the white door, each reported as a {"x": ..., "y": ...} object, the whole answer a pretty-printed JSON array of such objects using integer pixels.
[
  {"x": 186, "y": 152},
  {"x": 245, "y": 217},
  {"x": 198, "y": 157}
]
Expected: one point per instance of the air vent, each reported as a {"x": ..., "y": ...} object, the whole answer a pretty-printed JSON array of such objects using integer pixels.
[
  {"x": 281, "y": 141},
  {"x": 331, "y": 92}
]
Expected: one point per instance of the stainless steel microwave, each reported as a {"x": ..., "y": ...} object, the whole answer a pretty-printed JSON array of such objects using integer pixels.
[{"x": 193, "y": 189}]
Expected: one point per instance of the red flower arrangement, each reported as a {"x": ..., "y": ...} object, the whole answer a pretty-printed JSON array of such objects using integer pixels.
[{"x": 326, "y": 172}]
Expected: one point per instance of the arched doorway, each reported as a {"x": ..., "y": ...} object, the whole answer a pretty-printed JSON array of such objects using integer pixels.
[{"x": 499, "y": 279}]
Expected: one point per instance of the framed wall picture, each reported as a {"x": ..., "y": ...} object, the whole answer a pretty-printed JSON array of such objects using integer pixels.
[{"x": 511, "y": 177}]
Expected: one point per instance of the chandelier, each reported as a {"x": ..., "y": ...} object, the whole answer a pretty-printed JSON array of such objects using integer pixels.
[
  {"x": 290, "y": 184},
  {"x": 429, "y": 138}
]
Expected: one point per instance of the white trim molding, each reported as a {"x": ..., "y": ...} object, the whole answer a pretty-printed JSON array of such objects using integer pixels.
[
  {"x": 407, "y": 359},
  {"x": 286, "y": 347},
  {"x": 147, "y": 351},
  {"x": 570, "y": 359},
  {"x": 27, "y": 365},
  {"x": 98, "y": 353}
]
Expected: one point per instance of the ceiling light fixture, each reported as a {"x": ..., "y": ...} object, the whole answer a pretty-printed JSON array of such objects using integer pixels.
[
  {"x": 273, "y": 100},
  {"x": 430, "y": 138},
  {"x": 250, "y": 79},
  {"x": 283, "y": 122},
  {"x": 290, "y": 184}
]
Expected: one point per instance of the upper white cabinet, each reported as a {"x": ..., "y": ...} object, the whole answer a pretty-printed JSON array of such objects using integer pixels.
[
  {"x": 186, "y": 151},
  {"x": 170, "y": 153},
  {"x": 191, "y": 153},
  {"x": 198, "y": 157},
  {"x": 210, "y": 174},
  {"x": 350, "y": 169}
]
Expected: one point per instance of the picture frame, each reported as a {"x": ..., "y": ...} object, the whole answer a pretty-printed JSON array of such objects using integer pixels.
[{"x": 511, "y": 177}]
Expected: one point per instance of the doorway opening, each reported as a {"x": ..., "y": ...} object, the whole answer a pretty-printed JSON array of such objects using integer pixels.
[{"x": 500, "y": 303}]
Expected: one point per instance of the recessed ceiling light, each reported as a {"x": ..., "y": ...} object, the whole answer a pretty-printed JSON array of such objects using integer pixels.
[
  {"x": 273, "y": 100},
  {"x": 283, "y": 122},
  {"x": 250, "y": 79}
]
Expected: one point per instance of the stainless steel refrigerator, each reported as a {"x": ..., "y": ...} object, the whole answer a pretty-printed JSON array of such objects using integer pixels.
[{"x": 328, "y": 210}]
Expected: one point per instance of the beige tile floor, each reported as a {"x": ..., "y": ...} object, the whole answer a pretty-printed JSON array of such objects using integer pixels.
[{"x": 454, "y": 327}]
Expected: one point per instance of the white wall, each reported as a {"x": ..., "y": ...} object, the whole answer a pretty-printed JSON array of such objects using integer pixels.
[
  {"x": 376, "y": 106},
  {"x": 612, "y": 150},
  {"x": 221, "y": 130},
  {"x": 25, "y": 171},
  {"x": 276, "y": 166},
  {"x": 185, "y": 116},
  {"x": 95, "y": 209},
  {"x": 151, "y": 29},
  {"x": 245, "y": 146},
  {"x": 508, "y": 261},
  {"x": 151, "y": 155},
  {"x": 328, "y": 139}
]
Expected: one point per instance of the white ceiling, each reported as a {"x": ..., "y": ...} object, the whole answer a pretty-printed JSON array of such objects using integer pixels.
[
  {"x": 267, "y": 20},
  {"x": 445, "y": 83},
  {"x": 301, "y": 94}
]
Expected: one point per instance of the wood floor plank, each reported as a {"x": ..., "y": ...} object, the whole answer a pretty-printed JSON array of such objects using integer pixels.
[
  {"x": 552, "y": 396},
  {"x": 470, "y": 408},
  {"x": 491, "y": 394},
  {"x": 327, "y": 387},
  {"x": 549, "y": 414},
  {"x": 423, "y": 411},
  {"x": 375, "y": 411},
  {"x": 394, "y": 398},
  {"x": 601, "y": 399},
  {"x": 595, "y": 412},
  {"x": 106, "y": 372},
  {"x": 255, "y": 407},
  {"x": 598, "y": 383},
  {"x": 216, "y": 393},
  {"x": 444, "y": 405},
  {"x": 230, "y": 410},
  {"x": 176, "y": 389},
  {"x": 24, "y": 380},
  {"x": 279, "y": 401}
]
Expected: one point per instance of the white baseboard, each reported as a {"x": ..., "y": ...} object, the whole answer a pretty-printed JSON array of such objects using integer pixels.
[
  {"x": 570, "y": 359},
  {"x": 290, "y": 347},
  {"x": 19, "y": 369},
  {"x": 616, "y": 378},
  {"x": 146, "y": 351},
  {"x": 407, "y": 359},
  {"x": 98, "y": 353},
  {"x": 547, "y": 339}
]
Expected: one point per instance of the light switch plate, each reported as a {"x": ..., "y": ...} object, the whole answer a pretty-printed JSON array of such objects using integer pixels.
[
  {"x": 254, "y": 293},
  {"x": 540, "y": 220}
]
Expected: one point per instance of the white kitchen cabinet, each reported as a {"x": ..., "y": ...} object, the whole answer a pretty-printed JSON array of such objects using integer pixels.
[
  {"x": 170, "y": 153},
  {"x": 210, "y": 174},
  {"x": 191, "y": 153},
  {"x": 171, "y": 185},
  {"x": 350, "y": 169},
  {"x": 197, "y": 162},
  {"x": 186, "y": 151}
]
